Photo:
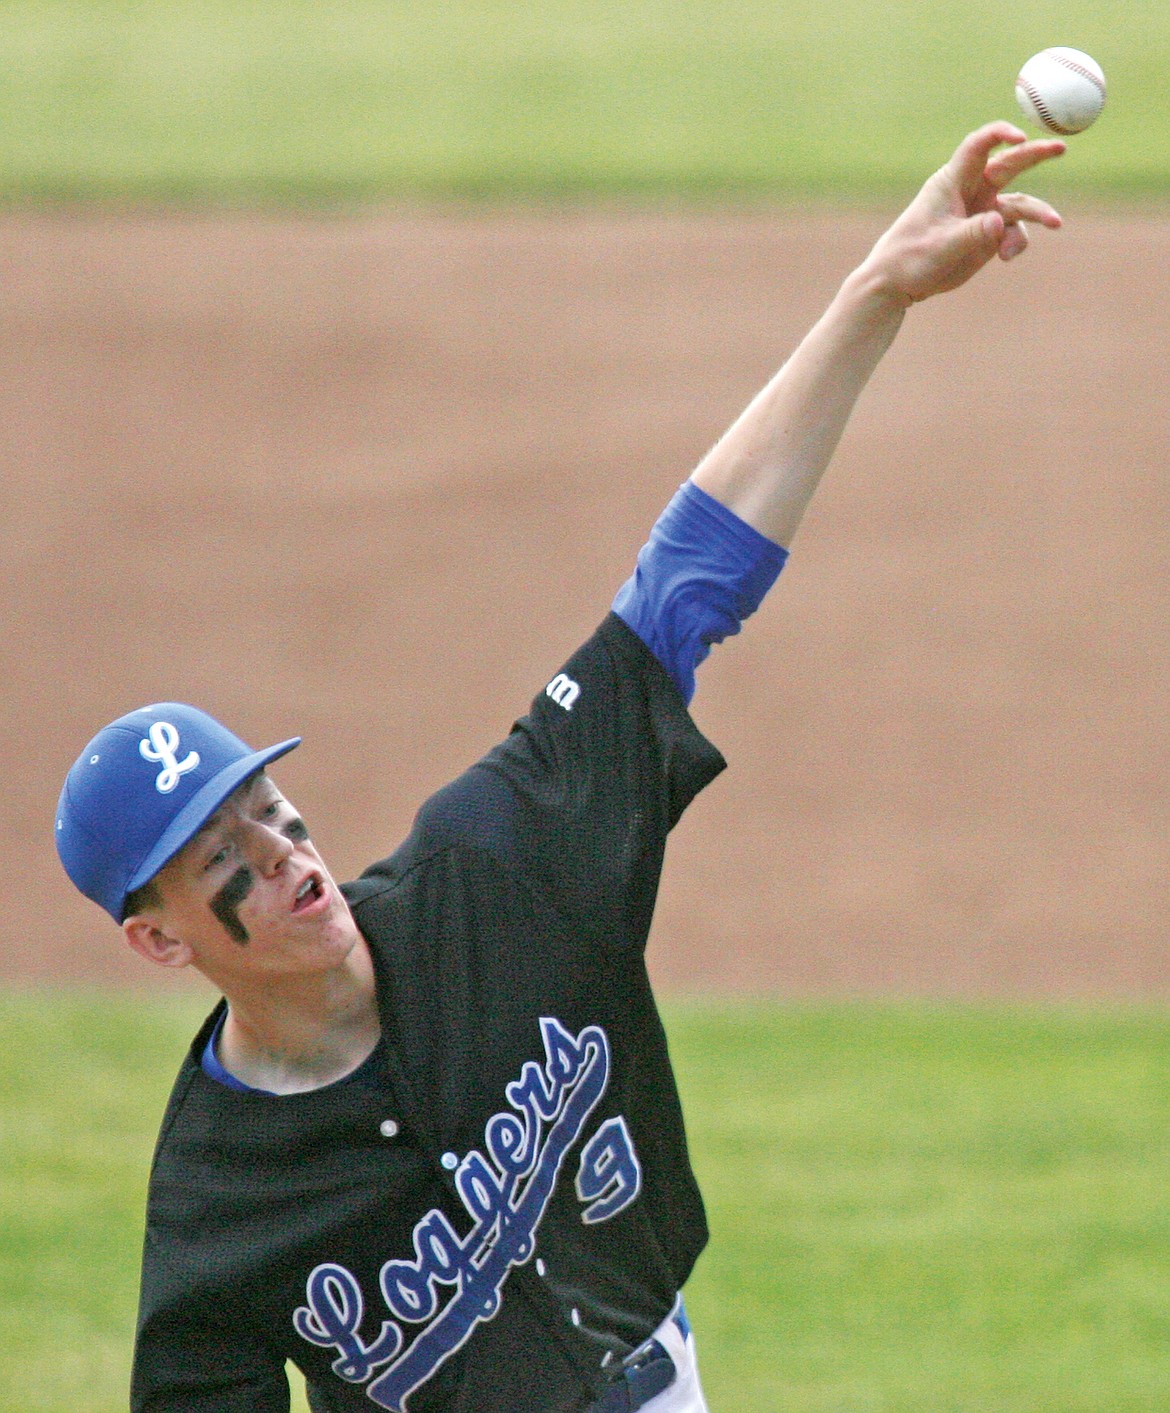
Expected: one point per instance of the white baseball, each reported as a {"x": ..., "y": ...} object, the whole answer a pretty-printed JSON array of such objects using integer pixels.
[{"x": 1061, "y": 90}]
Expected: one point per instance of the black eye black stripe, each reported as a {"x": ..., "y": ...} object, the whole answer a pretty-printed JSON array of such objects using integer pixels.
[{"x": 227, "y": 901}]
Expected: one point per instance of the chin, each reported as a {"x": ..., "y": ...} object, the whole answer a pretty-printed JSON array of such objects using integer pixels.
[{"x": 338, "y": 937}]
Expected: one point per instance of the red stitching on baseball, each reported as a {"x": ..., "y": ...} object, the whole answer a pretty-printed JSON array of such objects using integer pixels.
[
  {"x": 1084, "y": 73},
  {"x": 1045, "y": 116}
]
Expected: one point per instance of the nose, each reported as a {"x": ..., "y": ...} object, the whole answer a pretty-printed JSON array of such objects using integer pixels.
[{"x": 268, "y": 849}]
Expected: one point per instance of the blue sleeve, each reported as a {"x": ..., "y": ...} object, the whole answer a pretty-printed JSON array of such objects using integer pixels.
[{"x": 700, "y": 574}]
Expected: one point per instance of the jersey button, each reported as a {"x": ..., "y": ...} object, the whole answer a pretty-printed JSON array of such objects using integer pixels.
[
  {"x": 388, "y": 1128},
  {"x": 449, "y": 1161}
]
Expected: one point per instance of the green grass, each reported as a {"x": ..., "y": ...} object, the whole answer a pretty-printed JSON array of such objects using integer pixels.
[
  {"x": 280, "y": 100},
  {"x": 914, "y": 1209},
  {"x": 83, "y": 1081},
  {"x": 949, "y": 1210}
]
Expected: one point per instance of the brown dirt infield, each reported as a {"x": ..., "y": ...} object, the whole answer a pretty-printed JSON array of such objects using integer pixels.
[{"x": 370, "y": 479}]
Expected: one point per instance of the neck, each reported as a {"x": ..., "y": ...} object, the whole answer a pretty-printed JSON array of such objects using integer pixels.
[{"x": 300, "y": 1034}]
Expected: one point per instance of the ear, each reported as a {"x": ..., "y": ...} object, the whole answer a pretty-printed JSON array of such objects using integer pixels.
[{"x": 151, "y": 942}]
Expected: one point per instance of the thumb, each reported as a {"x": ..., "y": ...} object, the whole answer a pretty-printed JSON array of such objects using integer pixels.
[
  {"x": 983, "y": 233},
  {"x": 966, "y": 246},
  {"x": 972, "y": 244}
]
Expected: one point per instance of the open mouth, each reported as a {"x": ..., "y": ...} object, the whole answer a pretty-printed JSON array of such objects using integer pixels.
[{"x": 310, "y": 892}]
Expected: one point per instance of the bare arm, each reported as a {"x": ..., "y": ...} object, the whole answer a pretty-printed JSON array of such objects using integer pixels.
[{"x": 768, "y": 464}]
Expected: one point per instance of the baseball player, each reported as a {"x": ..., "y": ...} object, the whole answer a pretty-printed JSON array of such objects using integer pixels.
[{"x": 428, "y": 1146}]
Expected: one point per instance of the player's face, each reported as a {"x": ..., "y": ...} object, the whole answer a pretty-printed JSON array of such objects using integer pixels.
[{"x": 249, "y": 894}]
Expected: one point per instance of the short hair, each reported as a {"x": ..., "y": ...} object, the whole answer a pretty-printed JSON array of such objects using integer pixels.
[{"x": 147, "y": 896}]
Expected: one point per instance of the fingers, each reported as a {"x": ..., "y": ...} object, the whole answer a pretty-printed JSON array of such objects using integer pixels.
[
  {"x": 977, "y": 173},
  {"x": 1005, "y": 167},
  {"x": 1014, "y": 242},
  {"x": 1017, "y": 206},
  {"x": 969, "y": 163},
  {"x": 961, "y": 219}
]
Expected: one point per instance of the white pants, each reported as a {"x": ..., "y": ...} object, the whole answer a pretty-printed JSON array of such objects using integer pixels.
[{"x": 685, "y": 1395}]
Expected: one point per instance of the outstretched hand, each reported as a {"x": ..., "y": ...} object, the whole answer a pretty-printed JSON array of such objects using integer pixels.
[
  {"x": 962, "y": 217},
  {"x": 767, "y": 465}
]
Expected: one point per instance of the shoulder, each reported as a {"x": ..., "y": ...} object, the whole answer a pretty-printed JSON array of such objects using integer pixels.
[{"x": 189, "y": 1073}]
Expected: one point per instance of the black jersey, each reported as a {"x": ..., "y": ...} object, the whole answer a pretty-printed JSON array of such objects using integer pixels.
[{"x": 500, "y": 1200}]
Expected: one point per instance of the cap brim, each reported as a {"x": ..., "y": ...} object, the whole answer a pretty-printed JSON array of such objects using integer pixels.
[{"x": 198, "y": 810}]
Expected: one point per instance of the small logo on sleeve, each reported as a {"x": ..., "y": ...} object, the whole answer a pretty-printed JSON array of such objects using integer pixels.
[
  {"x": 563, "y": 690},
  {"x": 161, "y": 745}
]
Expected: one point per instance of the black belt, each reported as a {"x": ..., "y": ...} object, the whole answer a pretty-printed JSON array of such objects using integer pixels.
[{"x": 644, "y": 1374}]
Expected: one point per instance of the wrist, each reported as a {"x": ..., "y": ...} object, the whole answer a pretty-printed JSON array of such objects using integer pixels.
[{"x": 874, "y": 295}]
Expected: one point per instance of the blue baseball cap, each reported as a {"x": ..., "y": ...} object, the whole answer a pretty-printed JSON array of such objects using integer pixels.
[{"x": 144, "y": 786}]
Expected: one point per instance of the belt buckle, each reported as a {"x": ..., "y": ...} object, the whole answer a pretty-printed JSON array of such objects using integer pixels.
[{"x": 647, "y": 1371}]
